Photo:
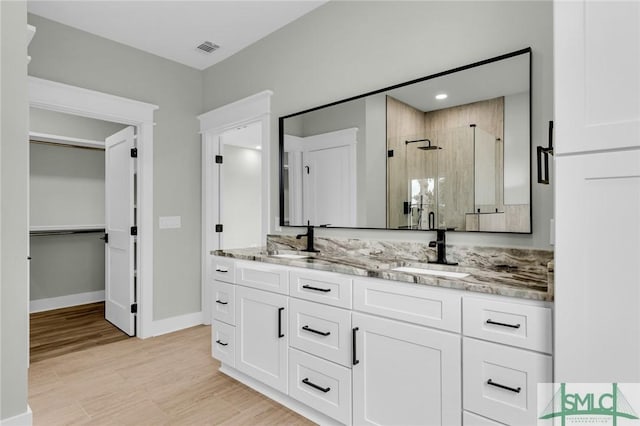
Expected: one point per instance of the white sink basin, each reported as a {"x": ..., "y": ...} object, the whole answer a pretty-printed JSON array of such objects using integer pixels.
[
  {"x": 290, "y": 256},
  {"x": 413, "y": 270}
]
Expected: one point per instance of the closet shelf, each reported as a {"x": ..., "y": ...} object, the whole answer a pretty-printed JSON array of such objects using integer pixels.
[{"x": 52, "y": 228}]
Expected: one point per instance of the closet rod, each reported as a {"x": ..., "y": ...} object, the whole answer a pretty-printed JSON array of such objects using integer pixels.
[
  {"x": 66, "y": 145},
  {"x": 66, "y": 232}
]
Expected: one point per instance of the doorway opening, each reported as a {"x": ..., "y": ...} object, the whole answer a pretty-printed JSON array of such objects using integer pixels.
[{"x": 81, "y": 192}]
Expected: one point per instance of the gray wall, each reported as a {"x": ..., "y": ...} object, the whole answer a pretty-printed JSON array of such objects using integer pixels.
[
  {"x": 60, "y": 124},
  {"x": 66, "y": 188},
  {"x": 344, "y": 49},
  {"x": 71, "y": 56},
  {"x": 14, "y": 213}
]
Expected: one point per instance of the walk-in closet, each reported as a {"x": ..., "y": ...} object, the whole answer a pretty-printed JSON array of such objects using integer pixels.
[{"x": 67, "y": 233}]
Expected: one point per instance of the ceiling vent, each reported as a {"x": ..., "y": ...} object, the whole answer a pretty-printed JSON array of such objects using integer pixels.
[{"x": 208, "y": 47}]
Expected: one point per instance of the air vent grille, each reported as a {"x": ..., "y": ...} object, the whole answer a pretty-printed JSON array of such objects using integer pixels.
[{"x": 208, "y": 47}]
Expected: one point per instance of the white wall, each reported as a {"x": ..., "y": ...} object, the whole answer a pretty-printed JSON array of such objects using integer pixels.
[
  {"x": 60, "y": 124},
  {"x": 344, "y": 49},
  {"x": 14, "y": 213},
  {"x": 241, "y": 197},
  {"x": 376, "y": 161},
  {"x": 516, "y": 143},
  {"x": 67, "y": 55}
]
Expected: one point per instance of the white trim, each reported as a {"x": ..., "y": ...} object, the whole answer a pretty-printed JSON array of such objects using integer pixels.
[
  {"x": 40, "y": 305},
  {"x": 247, "y": 109},
  {"x": 252, "y": 109},
  {"x": 68, "y": 99},
  {"x": 300, "y": 408},
  {"x": 65, "y": 140},
  {"x": 180, "y": 322},
  {"x": 65, "y": 227},
  {"x": 24, "y": 419}
]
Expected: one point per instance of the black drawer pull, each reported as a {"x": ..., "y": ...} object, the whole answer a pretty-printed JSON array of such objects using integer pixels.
[
  {"x": 498, "y": 385},
  {"x": 221, "y": 302},
  {"x": 355, "y": 360},
  {"x": 221, "y": 270},
  {"x": 313, "y": 385},
  {"x": 221, "y": 343},
  {"x": 280, "y": 322},
  {"x": 503, "y": 324},
  {"x": 324, "y": 290},
  {"x": 322, "y": 333}
]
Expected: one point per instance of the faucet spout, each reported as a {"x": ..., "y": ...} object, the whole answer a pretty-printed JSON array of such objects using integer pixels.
[
  {"x": 441, "y": 248},
  {"x": 310, "y": 238}
]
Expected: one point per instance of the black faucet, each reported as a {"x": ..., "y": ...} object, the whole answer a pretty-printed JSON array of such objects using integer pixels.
[
  {"x": 441, "y": 244},
  {"x": 309, "y": 236}
]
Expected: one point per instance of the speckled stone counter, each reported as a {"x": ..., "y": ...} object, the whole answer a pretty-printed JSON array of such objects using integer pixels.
[{"x": 510, "y": 272}]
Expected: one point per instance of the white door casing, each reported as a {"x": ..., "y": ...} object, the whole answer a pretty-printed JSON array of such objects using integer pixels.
[
  {"x": 252, "y": 109},
  {"x": 64, "y": 98},
  {"x": 119, "y": 218}
]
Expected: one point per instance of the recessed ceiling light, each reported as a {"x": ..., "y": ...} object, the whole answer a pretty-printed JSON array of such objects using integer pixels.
[
  {"x": 258, "y": 147},
  {"x": 441, "y": 96}
]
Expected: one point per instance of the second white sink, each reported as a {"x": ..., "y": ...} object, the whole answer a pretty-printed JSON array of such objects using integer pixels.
[
  {"x": 290, "y": 256},
  {"x": 413, "y": 270}
]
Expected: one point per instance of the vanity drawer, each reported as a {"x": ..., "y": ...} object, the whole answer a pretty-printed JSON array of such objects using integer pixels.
[
  {"x": 223, "y": 342},
  {"x": 501, "y": 382},
  {"x": 321, "y": 385},
  {"x": 470, "y": 419},
  {"x": 223, "y": 270},
  {"x": 224, "y": 302},
  {"x": 263, "y": 276},
  {"x": 516, "y": 324},
  {"x": 323, "y": 287},
  {"x": 322, "y": 330},
  {"x": 419, "y": 304}
]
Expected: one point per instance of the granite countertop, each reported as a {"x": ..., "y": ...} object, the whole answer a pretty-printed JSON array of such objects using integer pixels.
[{"x": 502, "y": 279}]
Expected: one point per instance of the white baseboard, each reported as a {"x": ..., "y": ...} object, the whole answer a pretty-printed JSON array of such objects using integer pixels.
[
  {"x": 40, "y": 305},
  {"x": 169, "y": 325},
  {"x": 24, "y": 419}
]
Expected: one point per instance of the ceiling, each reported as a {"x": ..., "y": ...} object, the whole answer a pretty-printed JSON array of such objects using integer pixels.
[{"x": 173, "y": 29}]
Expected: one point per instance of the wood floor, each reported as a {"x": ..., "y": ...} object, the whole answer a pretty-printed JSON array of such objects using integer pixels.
[
  {"x": 62, "y": 331},
  {"x": 165, "y": 380}
]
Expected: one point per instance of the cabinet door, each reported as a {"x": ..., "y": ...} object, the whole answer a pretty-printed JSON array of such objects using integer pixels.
[
  {"x": 597, "y": 272},
  {"x": 262, "y": 336},
  {"x": 597, "y": 75},
  {"x": 405, "y": 374}
]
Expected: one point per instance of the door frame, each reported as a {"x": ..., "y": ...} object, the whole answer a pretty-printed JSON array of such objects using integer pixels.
[
  {"x": 214, "y": 123},
  {"x": 64, "y": 98}
]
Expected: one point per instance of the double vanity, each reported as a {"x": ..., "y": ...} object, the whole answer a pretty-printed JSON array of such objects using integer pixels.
[{"x": 355, "y": 334}]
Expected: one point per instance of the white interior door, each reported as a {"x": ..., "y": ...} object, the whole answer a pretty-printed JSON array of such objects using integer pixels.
[{"x": 119, "y": 218}]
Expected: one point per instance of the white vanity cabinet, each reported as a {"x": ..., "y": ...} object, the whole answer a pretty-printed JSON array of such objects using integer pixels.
[
  {"x": 262, "y": 337},
  {"x": 404, "y": 374},
  {"x": 364, "y": 351}
]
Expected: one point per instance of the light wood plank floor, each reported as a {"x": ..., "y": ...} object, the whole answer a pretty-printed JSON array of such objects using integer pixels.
[
  {"x": 61, "y": 331},
  {"x": 165, "y": 380}
]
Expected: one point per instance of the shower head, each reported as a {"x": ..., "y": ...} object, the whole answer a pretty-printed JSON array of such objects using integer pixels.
[{"x": 428, "y": 147}]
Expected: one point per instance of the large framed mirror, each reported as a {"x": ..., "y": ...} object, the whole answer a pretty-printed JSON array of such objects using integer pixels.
[{"x": 451, "y": 150}]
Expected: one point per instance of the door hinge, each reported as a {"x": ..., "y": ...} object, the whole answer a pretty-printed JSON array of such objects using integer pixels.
[
  {"x": 219, "y": 227},
  {"x": 106, "y": 238},
  {"x": 134, "y": 308},
  {"x": 134, "y": 152},
  {"x": 134, "y": 230},
  {"x": 218, "y": 159}
]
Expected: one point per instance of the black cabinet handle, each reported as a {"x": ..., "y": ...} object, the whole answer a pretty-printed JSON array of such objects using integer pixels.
[
  {"x": 221, "y": 343},
  {"x": 324, "y": 290},
  {"x": 498, "y": 385},
  {"x": 221, "y": 302},
  {"x": 313, "y": 385},
  {"x": 221, "y": 270},
  {"x": 322, "y": 333},
  {"x": 355, "y": 360},
  {"x": 280, "y": 322},
  {"x": 503, "y": 324}
]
